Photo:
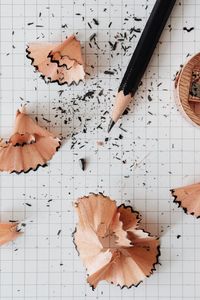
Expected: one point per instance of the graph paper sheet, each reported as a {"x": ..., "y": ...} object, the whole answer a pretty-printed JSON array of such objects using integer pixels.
[{"x": 152, "y": 149}]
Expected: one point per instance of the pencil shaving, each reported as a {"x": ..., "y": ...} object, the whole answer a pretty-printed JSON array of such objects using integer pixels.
[
  {"x": 188, "y": 197},
  {"x": 29, "y": 146},
  {"x": 110, "y": 243},
  {"x": 8, "y": 232},
  {"x": 61, "y": 63}
]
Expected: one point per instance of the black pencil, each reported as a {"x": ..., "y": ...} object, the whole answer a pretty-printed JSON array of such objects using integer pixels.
[{"x": 141, "y": 57}]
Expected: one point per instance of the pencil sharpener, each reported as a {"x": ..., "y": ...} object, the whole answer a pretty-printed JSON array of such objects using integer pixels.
[{"x": 187, "y": 85}]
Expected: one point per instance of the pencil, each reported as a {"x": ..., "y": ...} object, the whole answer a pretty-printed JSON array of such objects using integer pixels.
[{"x": 141, "y": 57}]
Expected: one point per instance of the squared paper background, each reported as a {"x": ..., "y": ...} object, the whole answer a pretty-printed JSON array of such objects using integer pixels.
[{"x": 160, "y": 149}]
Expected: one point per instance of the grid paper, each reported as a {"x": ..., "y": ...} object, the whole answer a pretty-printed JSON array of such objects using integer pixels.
[{"x": 152, "y": 149}]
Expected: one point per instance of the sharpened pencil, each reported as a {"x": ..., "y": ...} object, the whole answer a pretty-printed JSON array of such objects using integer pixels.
[{"x": 141, "y": 57}]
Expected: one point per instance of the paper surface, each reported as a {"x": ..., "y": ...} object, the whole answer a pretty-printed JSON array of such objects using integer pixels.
[{"x": 159, "y": 149}]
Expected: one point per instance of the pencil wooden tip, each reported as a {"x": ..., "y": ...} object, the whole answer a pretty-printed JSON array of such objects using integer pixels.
[{"x": 111, "y": 124}]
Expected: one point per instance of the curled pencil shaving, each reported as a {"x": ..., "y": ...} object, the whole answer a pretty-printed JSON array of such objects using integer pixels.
[
  {"x": 61, "y": 62},
  {"x": 188, "y": 197},
  {"x": 8, "y": 232},
  {"x": 110, "y": 243},
  {"x": 29, "y": 146}
]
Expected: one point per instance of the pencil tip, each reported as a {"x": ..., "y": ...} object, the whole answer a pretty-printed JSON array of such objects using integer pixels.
[{"x": 111, "y": 124}]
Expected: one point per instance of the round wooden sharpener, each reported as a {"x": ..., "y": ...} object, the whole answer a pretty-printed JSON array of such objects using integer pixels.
[{"x": 187, "y": 86}]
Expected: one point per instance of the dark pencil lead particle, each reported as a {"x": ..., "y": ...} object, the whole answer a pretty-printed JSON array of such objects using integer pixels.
[
  {"x": 120, "y": 126},
  {"x": 48, "y": 121},
  {"x": 133, "y": 29},
  {"x": 107, "y": 72},
  {"x": 92, "y": 37},
  {"x": 89, "y": 25},
  {"x": 188, "y": 29},
  {"x": 137, "y": 19},
  {"x": 126, "y": 111},
  {"x": 60, "y": 92},
  {"x": 113, "y": 46},
  {"x": 96, "y": 22},
  {"x": 82, "y": 163},
  {"x": 101, "y": 93},
  {"x": 88, "y": 95}
]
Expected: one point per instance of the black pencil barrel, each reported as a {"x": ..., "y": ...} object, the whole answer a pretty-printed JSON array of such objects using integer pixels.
[{"x": 146, "y": 46}]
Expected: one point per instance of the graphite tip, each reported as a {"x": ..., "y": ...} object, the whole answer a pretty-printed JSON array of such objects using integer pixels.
[{"x": 111, "y": 124}]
